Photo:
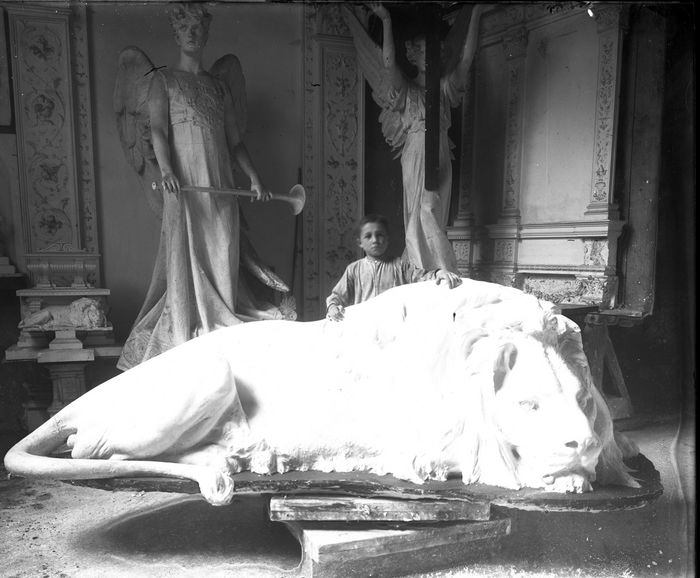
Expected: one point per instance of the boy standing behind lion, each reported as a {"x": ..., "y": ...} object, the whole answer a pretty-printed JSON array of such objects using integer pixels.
[{"x": 376, "y": 272}]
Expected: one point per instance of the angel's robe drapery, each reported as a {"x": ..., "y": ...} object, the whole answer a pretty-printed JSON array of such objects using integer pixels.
[
  {"x": 426, "y": 212},
  {"x": 195, "y": 285}
]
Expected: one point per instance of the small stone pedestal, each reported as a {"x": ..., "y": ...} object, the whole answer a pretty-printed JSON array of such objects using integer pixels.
[
  {"x": 65, "y": 351},
  {"x": 66, "y": 360}
]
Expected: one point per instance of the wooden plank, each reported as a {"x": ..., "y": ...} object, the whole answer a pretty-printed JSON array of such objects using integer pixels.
[
  {"x": 332, "y": 543},
  {"x": 347, "y": 509},
  {"x": 601, "y": 354}
]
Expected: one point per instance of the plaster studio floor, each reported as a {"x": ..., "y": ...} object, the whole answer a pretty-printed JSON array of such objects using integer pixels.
[{"x": 51, "y": 529}]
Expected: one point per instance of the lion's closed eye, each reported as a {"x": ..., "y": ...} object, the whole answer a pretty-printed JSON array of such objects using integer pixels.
[{"x": 529, "y": 405}]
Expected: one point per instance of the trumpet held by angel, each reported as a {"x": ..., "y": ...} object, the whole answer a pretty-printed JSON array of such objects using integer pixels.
[{"x": 403, "y": 103}]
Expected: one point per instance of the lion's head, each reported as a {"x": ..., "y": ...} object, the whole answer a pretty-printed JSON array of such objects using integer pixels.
[
  {"x": 87, "y": 313},
  {"x": 532, "y": 415}
]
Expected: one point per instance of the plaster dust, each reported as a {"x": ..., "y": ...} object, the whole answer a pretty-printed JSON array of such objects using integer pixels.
[{"x": 51, "y": 529}]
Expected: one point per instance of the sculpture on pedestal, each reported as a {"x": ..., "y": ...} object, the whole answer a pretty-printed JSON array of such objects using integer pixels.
[
  {"x": 181, "y": 126},
  {"x": 84, "y": 313},
  {"x": 403, "y": 102}
]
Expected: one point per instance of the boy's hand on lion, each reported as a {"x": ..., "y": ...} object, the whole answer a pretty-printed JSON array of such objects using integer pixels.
[
  {"x": 448, "y": 277},
  {"x": 336, "y": 313}
]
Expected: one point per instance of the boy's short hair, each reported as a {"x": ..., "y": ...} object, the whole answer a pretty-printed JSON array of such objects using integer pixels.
[{"x": 372, "y": 218}]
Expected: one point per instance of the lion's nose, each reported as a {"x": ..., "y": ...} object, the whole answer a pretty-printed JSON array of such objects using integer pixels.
[
  {"x": 584, "y": 446},
  {"x": 587, "y": 449}
]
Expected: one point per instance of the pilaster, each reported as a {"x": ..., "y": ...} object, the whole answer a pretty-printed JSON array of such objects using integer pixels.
[
  {"x": 611, "y": 22},
  {"x": 505, "y": 233},
  {"x": 333, "y": 168},
  {"x": 461, "y": 232}
]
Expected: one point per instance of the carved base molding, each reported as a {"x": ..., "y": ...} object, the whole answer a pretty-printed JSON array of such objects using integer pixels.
[
  {"x": 566, "y": 262},
  {"x": 590, "y": 290}
]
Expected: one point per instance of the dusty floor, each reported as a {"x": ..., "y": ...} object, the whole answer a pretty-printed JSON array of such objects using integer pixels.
[{"x": 51, "y": 529}]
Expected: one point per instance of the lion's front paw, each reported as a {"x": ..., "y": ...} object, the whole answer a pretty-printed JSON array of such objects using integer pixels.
[
  {"x": 216, "y": 487},
  {"x": 571, "y": 483}
]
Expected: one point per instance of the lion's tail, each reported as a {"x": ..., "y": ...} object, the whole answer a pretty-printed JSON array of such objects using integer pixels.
[{"x": 30, "y": 458}]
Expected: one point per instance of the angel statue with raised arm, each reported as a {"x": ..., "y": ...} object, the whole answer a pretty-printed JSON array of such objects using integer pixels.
[
  {"x": 402, "y": 100},
  {"x": 181, "y": 126}
]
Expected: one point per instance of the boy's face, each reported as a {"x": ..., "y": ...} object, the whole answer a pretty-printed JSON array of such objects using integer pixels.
[{"x": 374, "y": 239}]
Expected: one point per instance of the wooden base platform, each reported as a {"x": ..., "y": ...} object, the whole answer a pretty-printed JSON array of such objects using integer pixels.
[{"x": 353, "y": 525}]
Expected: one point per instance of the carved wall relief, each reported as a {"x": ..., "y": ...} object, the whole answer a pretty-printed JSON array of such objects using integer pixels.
[
  {"x": 51, "y": 83},
  {"x": 611, "y": 22},
  {"x": 515, "y": 46},
  {"x": 333, "y": 147}
]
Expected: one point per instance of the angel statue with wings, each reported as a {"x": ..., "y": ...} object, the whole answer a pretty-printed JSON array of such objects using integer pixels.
[
  {"x": 180, "y": 127},
  {"x": 402, "y": 100}
]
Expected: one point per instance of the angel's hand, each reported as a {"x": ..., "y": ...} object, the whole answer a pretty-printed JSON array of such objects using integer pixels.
[
  {"x": 379, "y": 10},
  {"x": 261, "y": 191},
  {"x": 170, "y": 183}
]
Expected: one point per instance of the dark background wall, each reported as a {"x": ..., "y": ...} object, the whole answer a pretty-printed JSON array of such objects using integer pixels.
[{"x": 657, "y": 358}]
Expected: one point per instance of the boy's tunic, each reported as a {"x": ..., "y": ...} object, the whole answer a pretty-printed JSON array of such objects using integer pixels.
[{"x": 367, "y": 278}]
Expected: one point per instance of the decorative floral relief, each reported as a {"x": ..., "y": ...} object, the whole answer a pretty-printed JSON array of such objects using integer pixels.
[
  {"x": 467, "y": 158},
  {"x": 515, "y": 43},
  {"x": 43, "y": 70},
  {"x": 462, "y": 251},
  {"x": 81, "y": 83},
  {"x": 595, "y": 252},
  {"x": 333, "y": 22},
  {"x": 557, "y": 290},
  {"x": 505, "y": 251},
  {"x": 610, "y": 17},
  {"x": 604, "y": 120},
  {"x": 311, "y": 234},
  {"x": 505, "y": 279},
  {"x": 512, "y": 142},
  {"x": 52, "y": 226},
  {"x": 341, "y": 203},
  {"x": 41, "y": 46},
  {"x": 48, "y": 175}
]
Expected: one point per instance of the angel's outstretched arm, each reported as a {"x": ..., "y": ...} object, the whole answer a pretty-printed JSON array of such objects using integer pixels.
[
  {"x": 396, "y": 77},
  {"x": 239, "y": 151},
  {"x": 158, "y": 111},
  {"x": 459, "y": 74}
]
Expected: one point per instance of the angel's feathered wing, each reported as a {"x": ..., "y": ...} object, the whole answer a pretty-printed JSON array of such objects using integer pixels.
[
  {"x": 133, "y": 121},
  {"x": 369, "y": 57},
  {"x": 228, "y": 69}
]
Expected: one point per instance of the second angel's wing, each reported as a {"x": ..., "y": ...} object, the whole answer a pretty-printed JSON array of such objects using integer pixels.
[
  {"x": 133, "y": 121},
  {"x": 370, "y": 59},
  {"x": 228, "y": 68}
]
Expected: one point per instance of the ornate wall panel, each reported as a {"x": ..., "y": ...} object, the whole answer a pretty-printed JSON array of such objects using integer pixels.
[
  {"x": 333, "y": 147},
  {"x": 54, "y": 138},
  {"x": 611, "y": 22},
  {"x": 566, "y": 260}
]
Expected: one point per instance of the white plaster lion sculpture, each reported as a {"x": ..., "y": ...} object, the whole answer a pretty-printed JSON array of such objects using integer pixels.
[{"x": 421, "y": 382}]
